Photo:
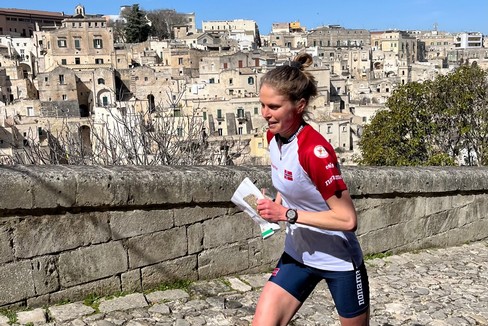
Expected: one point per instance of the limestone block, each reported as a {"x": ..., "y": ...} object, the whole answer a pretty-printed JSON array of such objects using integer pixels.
[
  {"x": 16, "y": 282},
  {"x": 103, "y": 287},
  {"x": 133, "y": 223},
  {"x": 168, "y": 295},
  {"x": 190, "y": 215},
  {"x": 131, "y": 301},
  {"x": 16, "y": 188},
  {"x": 70, "y": 311},
  {"x": 6, "y": 253},
  {"x": 97, "y": 186},
  {"x": 36, "y": 316},
  {"x": 169, "y": 271},
  {"x": 131, "y": 281},
  {"x": 45, "y": 274},
  {"x": 157, "y": 247},
  {"x": 227, "y": 229},
  {"x": 195, "y": 238},
  {"x": 42, "y": 235},
  {"x": 437, "y": 204},
  {"x": 225, "y": 260},
  {"x": 92, "y": 263},
  {"x": 157, "y": 185},
  {"x": 52, "y": 187}
]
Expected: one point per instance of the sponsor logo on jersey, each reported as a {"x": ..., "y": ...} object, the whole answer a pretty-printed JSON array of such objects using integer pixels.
[
  {"x": 320, "y": 151},
  {"x": 330, "y": 166},
  {"x": 275, "y": 271},
  {"x": 288, "y": 175},
  {"x": 274, "y": 166},
  {"x": 332, "y": 178}
]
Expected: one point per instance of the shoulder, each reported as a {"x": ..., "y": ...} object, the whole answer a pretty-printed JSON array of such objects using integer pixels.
[{"x": 311, "y": 142}]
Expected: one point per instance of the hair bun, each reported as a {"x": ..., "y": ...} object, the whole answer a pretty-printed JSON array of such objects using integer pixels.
[{"x": 296, "y": 64}]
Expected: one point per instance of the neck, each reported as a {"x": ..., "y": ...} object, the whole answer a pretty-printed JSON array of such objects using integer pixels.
[{"x": 285, "y": 139}]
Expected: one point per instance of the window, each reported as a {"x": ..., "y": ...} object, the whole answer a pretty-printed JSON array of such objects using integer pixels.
[
  {"x": 250, "y": 80},
  {"x": 204, "y": 115},
  {"x": 211, "y": 81},
  {"x": 256, "y": 111},
  {"x": 180, "y": 61},
  {"x": 329, "y": 129},
  {"x": 225, "y": 65},
  {"x": 101, "y": 81},
  {"x": 105, "y": 101},
  {"x": 240, "y": 113},
  {"x": 30, "y": 111},
  {"x": 179, "y": 130},
  {"x": 61, "y": 79},
  {"x": 240, "y": 131},
  {"x": 99, "y": 61},
  {"x": 231, "y": 81},
  {"x": 65, "y": 97},
  {"x": 77, "y": 43},
  {"x": 77, "y": 61},
  {"x": 62, "y": 43},
  {"x": 219, "y": 114},
  {"x": 97, "y": 43},
  {"x": 63, "y": 61},
  {"x": 220, "y": 132}
]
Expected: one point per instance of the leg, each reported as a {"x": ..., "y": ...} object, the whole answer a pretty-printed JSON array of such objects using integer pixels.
[
  {"x": 361, "y": 320},
  {"x": 350, "y": 291},
  {"x": 288, "y": 287},
  {"x": 275, "y": 306}
]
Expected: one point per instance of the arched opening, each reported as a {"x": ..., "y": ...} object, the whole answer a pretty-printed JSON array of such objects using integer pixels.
[
  {"x": 150, "y": 103},
  {"x": 85, "y": 141}
]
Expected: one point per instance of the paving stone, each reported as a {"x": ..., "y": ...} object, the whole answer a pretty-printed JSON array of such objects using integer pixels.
[
  {"x": 168, "y": 295},
  {"x": 36, "y": 316},
  {"x": 70, "y": 311},
  {"x": 131, "y": 301}
]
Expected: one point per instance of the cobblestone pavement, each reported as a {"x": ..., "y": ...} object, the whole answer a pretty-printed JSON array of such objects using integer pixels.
[{"x": 430, "y": 287}]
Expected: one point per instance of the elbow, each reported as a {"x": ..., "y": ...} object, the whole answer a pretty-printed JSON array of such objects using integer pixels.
[{"x": 351, "y": 225}]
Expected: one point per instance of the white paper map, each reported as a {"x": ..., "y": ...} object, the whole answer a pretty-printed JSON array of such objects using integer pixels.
[{"x": 245, "y": 197}]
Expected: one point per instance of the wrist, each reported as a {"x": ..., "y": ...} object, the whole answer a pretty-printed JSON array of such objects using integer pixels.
[{"x": 291, "y": 215}]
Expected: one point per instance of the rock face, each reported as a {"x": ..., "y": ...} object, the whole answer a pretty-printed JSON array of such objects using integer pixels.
[{"x": 70, "y": 231}]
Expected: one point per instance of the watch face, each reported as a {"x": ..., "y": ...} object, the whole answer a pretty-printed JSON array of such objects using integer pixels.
[
  {"x": 290, "y": 213},
  {"x": 291, "y": 216}
]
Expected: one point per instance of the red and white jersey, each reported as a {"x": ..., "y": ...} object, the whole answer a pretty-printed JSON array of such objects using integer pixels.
[{"x": 306, "y": 173}]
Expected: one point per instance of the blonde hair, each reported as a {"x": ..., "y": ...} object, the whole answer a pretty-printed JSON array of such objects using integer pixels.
[{"x": 292, "y": 80}]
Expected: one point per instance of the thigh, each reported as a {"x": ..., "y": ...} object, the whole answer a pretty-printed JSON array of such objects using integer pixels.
[
  {"x": 275, "y": 306},
  {"x": 294, "y": 277},
  {"x": 289, "y": 285},
  {"x": 350, "y": 291}
]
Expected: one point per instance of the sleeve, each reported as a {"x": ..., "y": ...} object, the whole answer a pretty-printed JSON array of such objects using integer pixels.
[
  {"x": 269, "y": 136},
  {"x": 320, "y": 163}
]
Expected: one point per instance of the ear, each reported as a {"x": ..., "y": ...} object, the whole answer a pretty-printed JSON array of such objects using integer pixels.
[{"x": 301, "y": 105}]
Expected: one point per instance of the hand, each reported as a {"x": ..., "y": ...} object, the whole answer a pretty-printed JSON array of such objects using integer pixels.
[{"x": 271, "y": 211}]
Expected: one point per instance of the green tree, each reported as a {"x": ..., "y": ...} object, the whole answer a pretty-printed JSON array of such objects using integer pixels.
[
  {"x": 163, "y": 21},
  {"x": 432, "y": 123},
  {"x": 137, "y": 27}
]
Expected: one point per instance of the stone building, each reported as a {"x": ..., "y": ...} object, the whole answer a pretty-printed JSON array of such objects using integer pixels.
[
  {"x": 244, "y": 26},
  {"x": 23, "y": 23},
  {"x": 338, "y": 37},
  {"x": 82, "y": 42}
]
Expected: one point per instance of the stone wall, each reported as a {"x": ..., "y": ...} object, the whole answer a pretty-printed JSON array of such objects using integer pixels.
[{"x": 70, "y": 231}]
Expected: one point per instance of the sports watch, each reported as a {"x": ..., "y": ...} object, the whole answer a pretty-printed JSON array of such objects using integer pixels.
[{"x": 291, "y": 215}]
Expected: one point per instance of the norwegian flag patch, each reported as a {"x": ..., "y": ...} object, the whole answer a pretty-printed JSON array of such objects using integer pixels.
[
  {"x": 288, "y": 175},
  {"x": 275, "y": 271}
]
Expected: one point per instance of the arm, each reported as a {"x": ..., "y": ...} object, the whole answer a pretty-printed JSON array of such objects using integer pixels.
[{"x": 341, "y": 216}]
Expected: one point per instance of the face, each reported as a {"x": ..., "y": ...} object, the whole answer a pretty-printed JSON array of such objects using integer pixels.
[{"x": 283, "y": 116}]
